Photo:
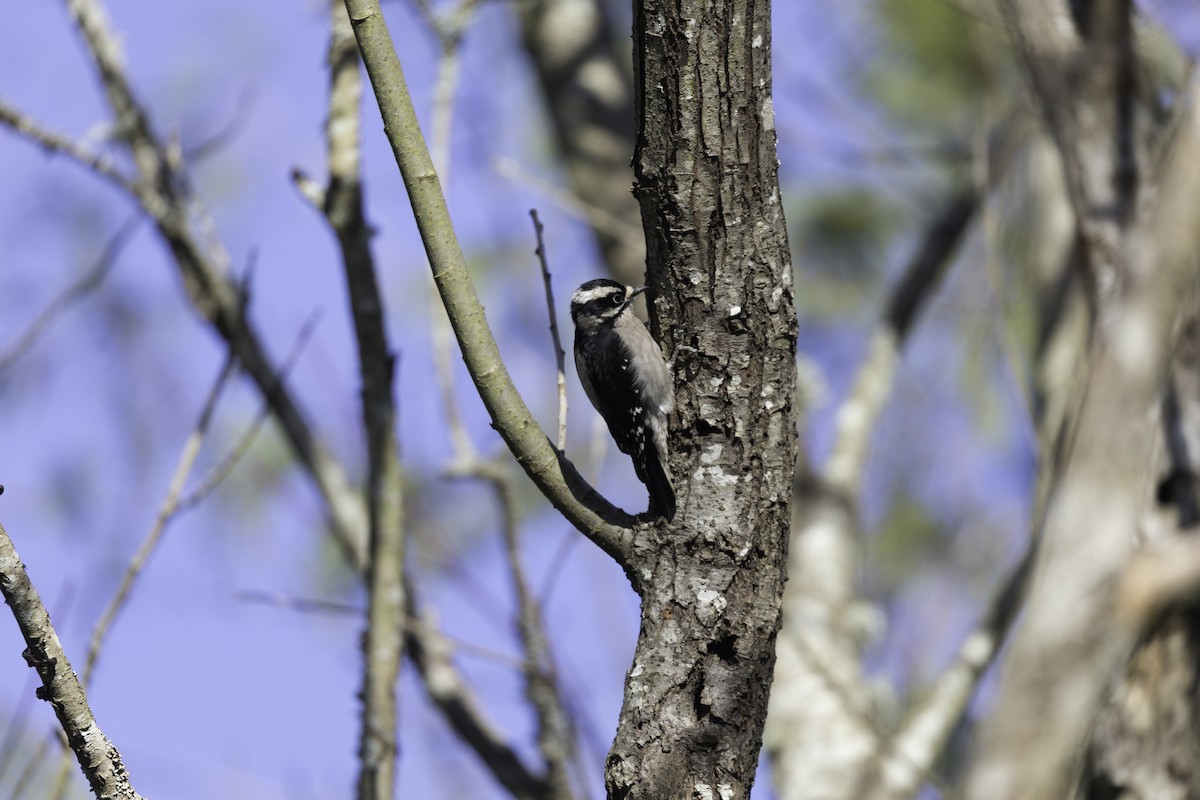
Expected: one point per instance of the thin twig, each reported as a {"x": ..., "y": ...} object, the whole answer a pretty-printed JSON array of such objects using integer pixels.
[
  {"x": 166, "y": 511},
  {"x": 448, "y": 690},
  {"x": 602, "y": 220},
  {"x": 609, "y": 527},
  {"x": 217, "y": 474},
  {"x": 176, "y": 502},
  {"x": 97, "y": 756},
  {"x": 555, "y": 735},
  {"x": 81, "y": 288},
  {"x": 383, "y": 639},
  {"x": 307, "y": 605},
  {"x": 216, "y": 141},
  {"x": 57, "y": 143},
  {"x": 449, "y": 34},
  {"x": 559, "y": 354}
]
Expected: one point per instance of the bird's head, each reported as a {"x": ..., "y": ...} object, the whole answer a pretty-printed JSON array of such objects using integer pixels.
[{"x": 601, "y": 300}]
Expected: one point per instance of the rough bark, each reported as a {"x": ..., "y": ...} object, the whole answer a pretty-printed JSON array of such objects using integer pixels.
[{"x": 711, "y": 583}]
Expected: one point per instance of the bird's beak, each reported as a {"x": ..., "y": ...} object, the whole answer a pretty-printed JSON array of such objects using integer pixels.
[{"x": 635, "y": 292}]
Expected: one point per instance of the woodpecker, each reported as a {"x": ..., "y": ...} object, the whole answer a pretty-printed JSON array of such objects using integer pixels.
[{"x": 627, "y": 379}]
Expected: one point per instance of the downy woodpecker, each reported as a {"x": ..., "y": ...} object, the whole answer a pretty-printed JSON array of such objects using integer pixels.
[{"x": 627, "y": 379}]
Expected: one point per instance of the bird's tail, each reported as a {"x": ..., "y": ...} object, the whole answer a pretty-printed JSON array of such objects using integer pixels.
[{"x": 658, "y": 482}]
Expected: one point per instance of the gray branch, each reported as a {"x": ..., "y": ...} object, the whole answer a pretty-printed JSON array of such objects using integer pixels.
[
  {"x": 557, "y": 479},
  {"x": 1071, "y": 644},
  {"x": 98, "y": 757}
]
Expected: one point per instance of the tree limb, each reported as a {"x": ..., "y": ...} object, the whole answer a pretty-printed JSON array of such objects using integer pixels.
[
  {"x": 1071, "y": 644},
  {"x": 162, "y": 192},
  {"x": 98, "y": 757},
  {"x": 604, "y": 524},
  {"x": 819, "y": 735},
  {"x": 342, "y": 206}
]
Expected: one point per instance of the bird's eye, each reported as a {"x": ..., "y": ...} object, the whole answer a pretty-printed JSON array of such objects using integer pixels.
[{"x": 617, "y": 299}]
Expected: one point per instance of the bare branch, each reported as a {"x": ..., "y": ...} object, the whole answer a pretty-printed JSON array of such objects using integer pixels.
[
  {"x": 342, "y": 205},
  {"x": 606, "y": 525},
  {"x": 132, "y": 122},
  {"x": 54, "y": 143},
  {"x": 98, "y": 757},
  {"x": 81, "y": 288},
  {"x": 555, "y": 737},
  {"x": 204, "y": 266},
  {"x": 170, "y": 505},
  {"x": 559, "y": 354},
  {"x": 1071, "y": 643}
]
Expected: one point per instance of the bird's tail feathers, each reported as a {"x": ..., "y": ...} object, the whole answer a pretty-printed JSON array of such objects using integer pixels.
[{"x": 658, "y": 482}]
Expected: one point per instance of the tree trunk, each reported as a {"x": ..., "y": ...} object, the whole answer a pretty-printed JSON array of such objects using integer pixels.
[
  {"x": 711, "y": 583},
  {"x": 1145, "y": 741}
]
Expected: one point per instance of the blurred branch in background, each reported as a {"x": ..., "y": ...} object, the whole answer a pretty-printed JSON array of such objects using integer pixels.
[
  {"x": 1070, "y": 645},
  {"x": 341, "y": 203},
  {"x": 449, "y": 29},
  {"x": 555, "y": 733},
  {"x": 585, "y": 77},
  {"x": 1080, "y": 77},
  {"x": 557, "y": 479},
  {"x": 161, "y": 190},
  {"x": 821, "y": 735},
  {"x": 80, "y": 289}
]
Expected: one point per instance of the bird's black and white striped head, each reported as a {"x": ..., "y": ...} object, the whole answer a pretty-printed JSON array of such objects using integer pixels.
[{"x": 600, "y": 301}]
